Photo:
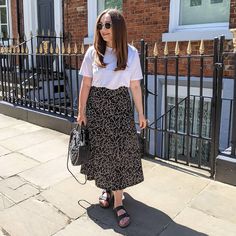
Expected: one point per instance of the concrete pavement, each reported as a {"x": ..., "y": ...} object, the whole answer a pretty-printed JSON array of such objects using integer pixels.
[{"x": 38, "y": 197}]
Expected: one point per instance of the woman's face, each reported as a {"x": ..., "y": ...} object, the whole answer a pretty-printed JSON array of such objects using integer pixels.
[{"x": 106, "y": 33}]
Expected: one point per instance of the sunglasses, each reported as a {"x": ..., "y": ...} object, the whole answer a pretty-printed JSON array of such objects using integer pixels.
[{"x": 106, "y": 25}]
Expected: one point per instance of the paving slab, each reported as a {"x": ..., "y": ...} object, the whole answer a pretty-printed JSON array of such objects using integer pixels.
[
  {"x": 17, "y": 130},
  {"x": 23, "y": 192},
  {"x": 66, "y": 194},
  {"x": 15, "y": 163},
  {"x": 32, "y": 218},
  {"x": 4, "y": 151},
  {"x": 48, "y": 150},
  {"x": 85, "y": 226},
  {"x": 168, "y": 189},
  {"x": 47, "y": 174},
  {"x": 13, "y": 183},
  {"x": 222, "y": 199},
  {"x": 29, "y": 139},
  {"x": 5, "y": 202},
  {"x": 192, "y": 222},
  {"x": 6, "y": 121}
]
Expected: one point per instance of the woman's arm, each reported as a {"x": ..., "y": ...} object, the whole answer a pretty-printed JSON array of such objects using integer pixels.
[
  {"x": 83, "y": 97},
  {"x": 137, "y": 97}
]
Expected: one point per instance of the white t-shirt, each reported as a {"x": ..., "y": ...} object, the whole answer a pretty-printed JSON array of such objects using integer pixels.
[{"x": 107, "y": 77}]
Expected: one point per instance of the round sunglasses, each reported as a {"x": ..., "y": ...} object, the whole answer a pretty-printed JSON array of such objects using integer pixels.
[{"x": 107, "y": 25}]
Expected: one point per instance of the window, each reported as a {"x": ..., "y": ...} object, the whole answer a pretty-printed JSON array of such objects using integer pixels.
[
  {"x": 198, "y": 19},
  {"x": 3, "y": 18},
  {"x": 203, "y": 12},
  {"x": 104, "y": 4},
  {"x": 94, "y": 9}
]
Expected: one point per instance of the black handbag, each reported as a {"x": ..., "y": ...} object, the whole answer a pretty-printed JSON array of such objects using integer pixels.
[{"x": 79, "y": 149}]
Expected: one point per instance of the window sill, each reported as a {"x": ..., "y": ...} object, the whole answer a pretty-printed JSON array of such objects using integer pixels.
[
  {"x": 88, "y": 41},
  {"x": 196, "y": 34}
]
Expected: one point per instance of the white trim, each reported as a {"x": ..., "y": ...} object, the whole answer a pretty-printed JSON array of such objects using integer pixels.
[
  {"x": 203, "y": 34},
  {"x": 30, "y": 17},
  {"x": 9, "y": 20},
  {"x": 92, "y": 16},
  {"x": 192, "y": 32},
  {"x": 58, "y": 17}
]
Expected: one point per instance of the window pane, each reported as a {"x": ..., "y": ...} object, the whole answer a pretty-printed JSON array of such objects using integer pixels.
[
  {"x": 3, "y": 15},
  {"x": 4, "y": 31},
  {"x": 2, "y": 2},
  {"x": 113, "y": 4},
  {"x": 216, "y": 1},
  {"x": 100, "y": 4},
  {"x": 195, "y": 3},
  {"x": 193, "y": 13}
]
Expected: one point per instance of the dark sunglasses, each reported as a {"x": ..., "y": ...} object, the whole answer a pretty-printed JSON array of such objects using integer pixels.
[{"x": 106, "y": 25}]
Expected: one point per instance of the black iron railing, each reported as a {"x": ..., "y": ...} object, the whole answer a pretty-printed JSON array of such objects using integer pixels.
[{"x": 182, "y": 103}]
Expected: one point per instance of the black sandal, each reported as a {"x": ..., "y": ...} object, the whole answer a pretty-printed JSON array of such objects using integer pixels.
[
  {"x": 104, "y": 201},
  {"x": 120, "y": 217}
]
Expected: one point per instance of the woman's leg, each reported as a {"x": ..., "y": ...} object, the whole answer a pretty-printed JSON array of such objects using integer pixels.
[{"x": 118, "y": 202}]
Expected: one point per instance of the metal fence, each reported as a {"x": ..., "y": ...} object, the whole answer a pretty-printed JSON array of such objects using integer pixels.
[
  {"x": 185, "y": 108},
  {"x": 185, "y": 119}
]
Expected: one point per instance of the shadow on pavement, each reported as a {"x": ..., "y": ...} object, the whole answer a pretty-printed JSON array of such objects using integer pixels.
[{"x": 145, "y": 220}]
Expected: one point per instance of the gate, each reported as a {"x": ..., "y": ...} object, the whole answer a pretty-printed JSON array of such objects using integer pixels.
[{"x": 183, "y": 104}]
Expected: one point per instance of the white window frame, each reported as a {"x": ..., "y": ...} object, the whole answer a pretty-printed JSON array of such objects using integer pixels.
[
  {"x": 92, "y": 16},
  {"x": 192, "y": 32},
  {"x": 8, "y": 10}
]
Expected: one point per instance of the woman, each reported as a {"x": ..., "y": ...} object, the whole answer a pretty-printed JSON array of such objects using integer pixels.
[{"x": 110, "y": 67}]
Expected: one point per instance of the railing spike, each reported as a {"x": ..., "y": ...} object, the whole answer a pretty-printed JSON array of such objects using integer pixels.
[
  {"x": 18, "y": 49},
  {"x": 42, "y": 32},
  {"x": 49, "y": 32},
  {"x": 132, "y": 43},
  {"x": 22, "y": 49},
  {"x": 189, "y": 48},
  {"x": 31, "y": 34},
  {"x": 63, "y": 48},
  {"x": 155, "y": 50},
  {"x": 166, "y": 52},
  {"x": 57, "y": 49},
  {"x": 82, "y": 48},
  {"x": 14, "y": 49},
  {"x": 51, "y": 49},
  {"x": 37, "y": 32},
  {"x": 26, "y": 50},
  {"x": 41, "y": 48},
  {"x": 36, "y": 50},
  {"x": 61, "y": 34},
  {"x": 201, "y": 48},
  {"x": 75, "y": 49},
  {"x": 234, "y": 38},
  {"x": 177, "y": 48},
  {"x": 55, "y": 34},
  {"x": 68, "y": 48},
  {"x": 2, "y": 50}
]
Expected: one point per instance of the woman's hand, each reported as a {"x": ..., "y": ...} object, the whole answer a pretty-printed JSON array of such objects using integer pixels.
[
  {"x": 142, "y": 121},
  {"x": 82, "y": 119}
]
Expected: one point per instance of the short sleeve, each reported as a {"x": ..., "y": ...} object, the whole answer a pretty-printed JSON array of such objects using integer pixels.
[
  {"x": 87, "y": 64},
  {"x": 136, "y": 67}
]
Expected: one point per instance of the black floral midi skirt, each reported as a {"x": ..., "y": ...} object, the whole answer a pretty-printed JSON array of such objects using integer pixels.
[{"x": 116, "y": 157}]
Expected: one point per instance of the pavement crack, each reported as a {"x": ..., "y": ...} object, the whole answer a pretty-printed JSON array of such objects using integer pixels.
[{"x": 5, "y": 233}]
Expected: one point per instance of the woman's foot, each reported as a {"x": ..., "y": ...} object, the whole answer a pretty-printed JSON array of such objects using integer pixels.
[
  {"x": 105, "y": 198},
  {"x": 122, "y": 216}
]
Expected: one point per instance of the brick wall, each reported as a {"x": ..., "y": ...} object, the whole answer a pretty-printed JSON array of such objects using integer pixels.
[
  {"x": 17, "y": 26},
  {"x": 75, "y": 20},
  {"x": 146, "y": 20}
]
